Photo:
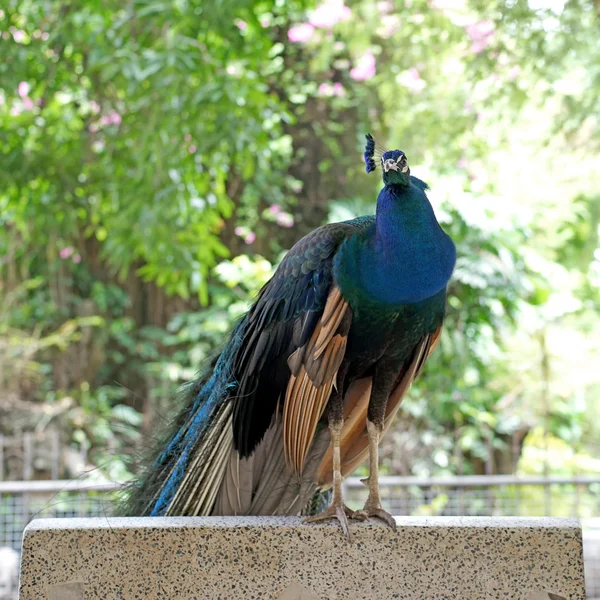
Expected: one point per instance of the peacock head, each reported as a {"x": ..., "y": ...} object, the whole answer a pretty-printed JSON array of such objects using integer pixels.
[
  {"x": 394, "y": 163},
  {"x": 395, "y": 168}
]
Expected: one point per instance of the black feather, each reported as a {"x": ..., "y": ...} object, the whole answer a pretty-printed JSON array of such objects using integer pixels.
[{"x": 369, "y": 152}]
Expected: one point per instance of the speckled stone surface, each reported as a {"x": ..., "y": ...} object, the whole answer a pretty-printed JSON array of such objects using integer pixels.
[{"x": 462, "y": 558}]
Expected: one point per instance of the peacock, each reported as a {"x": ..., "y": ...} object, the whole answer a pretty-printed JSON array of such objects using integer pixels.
[{"x": 312, "y": 376}]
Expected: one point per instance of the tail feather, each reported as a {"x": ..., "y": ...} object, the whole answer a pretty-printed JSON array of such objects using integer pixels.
[
  {"x": 262, "y": 484},
  {"x": 198, "y": 487},
  {"x": 271, "y": 472},
  {"x": 186, "y": 475},
  {"x": 235, "y": 493},
  {"x": 249, "y": 481},
  {"x": 191, "y": 443}
]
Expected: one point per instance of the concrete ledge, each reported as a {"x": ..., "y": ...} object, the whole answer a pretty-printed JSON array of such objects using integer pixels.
[{"x": 463, "y": 558}]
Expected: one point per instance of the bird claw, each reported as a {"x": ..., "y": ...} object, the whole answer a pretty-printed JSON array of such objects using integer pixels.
[
  {"x": 376, "y": 511},
  {"x": 342, "y": 513}
]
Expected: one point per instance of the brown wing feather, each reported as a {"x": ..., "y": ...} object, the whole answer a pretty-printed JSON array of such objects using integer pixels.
[
  {"x": 314, "y": 369},
  {"x": 354, "y": 443}
]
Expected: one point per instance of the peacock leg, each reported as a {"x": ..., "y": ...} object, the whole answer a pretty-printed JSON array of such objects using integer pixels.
[
  {"x": 382, "y": 384},
  {"x": 373, "y": 506},
  {"x": 338, "y": 510}
]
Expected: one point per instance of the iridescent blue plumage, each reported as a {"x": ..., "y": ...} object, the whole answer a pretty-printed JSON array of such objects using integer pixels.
[
  {"x": 353, "y": 307},
  {"x": 369, "y": 152},
  {"x": 204, "y": 408},
  {"x": 405, "y": 228}
]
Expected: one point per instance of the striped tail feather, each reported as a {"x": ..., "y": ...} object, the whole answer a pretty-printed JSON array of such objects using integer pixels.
[
  {"x": 186, "y": 475},
  {"x": 262, "y": 484}
]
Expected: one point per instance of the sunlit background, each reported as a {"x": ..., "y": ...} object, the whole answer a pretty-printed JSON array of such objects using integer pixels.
[{"x": 158, "y": 158}]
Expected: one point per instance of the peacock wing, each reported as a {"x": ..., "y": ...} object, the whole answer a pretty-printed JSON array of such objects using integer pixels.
[
  {"x": 314, "y": 368},
  {"x": 291, "y": 325},
  {"x": 293, "y": 343}
]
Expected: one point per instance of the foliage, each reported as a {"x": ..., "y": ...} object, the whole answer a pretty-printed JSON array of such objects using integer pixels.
[
  {"x": 118, "y": 115},
  {"x": 191, "y": 338},
  {"x": 20, "y": 349},
  {"x": 159, "y": 157}
]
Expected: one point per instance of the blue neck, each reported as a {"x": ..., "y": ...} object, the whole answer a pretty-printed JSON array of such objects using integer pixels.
[{"x": 407, "y": 257}]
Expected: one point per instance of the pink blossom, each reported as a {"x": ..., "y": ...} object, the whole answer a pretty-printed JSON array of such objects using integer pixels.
[
  {"x": 274, "y": 209},
  {"x": 192, "y": 149},
  {"x": 66, "y": 252},
  {"x": 301, "y": 33},
  {"x": 19, "y": 35},
  {"x": 411, "y": 79},
  {"x": 112, "y": 118},
  {"x": 241, "y": 25},
  {"x": 325, "y": 89},
  {"x": 94, "y": 107},
  {"x": 76, "y": 258},
  {"x": 264, "y": 21},
  {"x": 339, "y": 90},
  {"x": 329, "y": 13},
  {"x": 285, "y": 220},
  {"x": 480, "y": 34},
  {"x": 514, "y": 72},
  {"x": 45, "y": 35},
  {"x": 28, "y": 104},
  {"x": 23, "y": 89},
  {"x": 389, "y": 26},
  {"x": 384, "y": 7},
  {"x": 187, "y": 137},
  {"x": 478, "y": 46},
  {"x": 365, "y": 67},
  {"x": 239, "y": 231},
  {"x": 480, "y": 29},
  {"x": 463, "y": 163},
  {"x": 250, "y": 237}
]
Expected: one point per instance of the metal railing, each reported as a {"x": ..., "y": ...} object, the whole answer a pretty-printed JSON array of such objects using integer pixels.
[
  {"x": 23, "y": 501},
  {"x": 494, "y": 495}
]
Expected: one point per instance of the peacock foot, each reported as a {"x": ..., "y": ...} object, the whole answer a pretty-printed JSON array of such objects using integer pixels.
[
  {"x": 375, "y": 510},
  {"x": 340, "y": 512}
]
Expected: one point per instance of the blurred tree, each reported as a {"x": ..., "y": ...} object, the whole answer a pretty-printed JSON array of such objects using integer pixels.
[{"x": 143, "y": 144}]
